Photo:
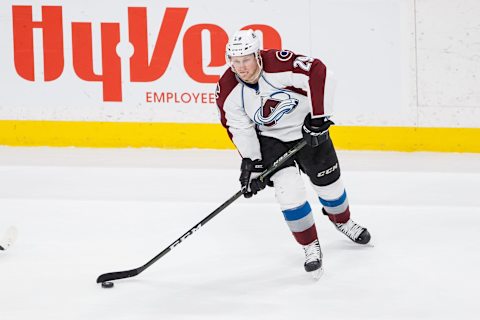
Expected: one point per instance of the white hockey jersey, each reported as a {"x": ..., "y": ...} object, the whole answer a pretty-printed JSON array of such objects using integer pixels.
[{"x": 289, "y": 87}]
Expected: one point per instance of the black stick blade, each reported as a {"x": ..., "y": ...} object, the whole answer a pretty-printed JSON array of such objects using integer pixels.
[{"x": 117, "y": 275}]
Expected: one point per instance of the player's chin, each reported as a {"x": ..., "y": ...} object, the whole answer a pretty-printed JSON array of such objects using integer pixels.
[{"x": 246, "y": 77}]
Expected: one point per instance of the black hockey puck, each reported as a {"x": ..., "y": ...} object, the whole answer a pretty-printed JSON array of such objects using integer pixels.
[{"x": 107, "y": 284}]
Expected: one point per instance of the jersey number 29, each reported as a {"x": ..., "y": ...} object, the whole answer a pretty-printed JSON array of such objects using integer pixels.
[{"x": 303, "y": 63}]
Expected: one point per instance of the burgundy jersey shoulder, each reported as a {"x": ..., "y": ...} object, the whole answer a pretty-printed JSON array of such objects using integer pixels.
[
  {"x": 277, "y": 60},
  {"x": 286, "y": 60},
  {"x": 225, "y": 85}
]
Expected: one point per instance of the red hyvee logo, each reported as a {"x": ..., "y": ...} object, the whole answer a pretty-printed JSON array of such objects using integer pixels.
[{"x": 142, "y": 69}]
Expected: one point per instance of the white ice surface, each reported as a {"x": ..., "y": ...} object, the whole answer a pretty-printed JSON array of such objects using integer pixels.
[{"x": 84, "y": 212}]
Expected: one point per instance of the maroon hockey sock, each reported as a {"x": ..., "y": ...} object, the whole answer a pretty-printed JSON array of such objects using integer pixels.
[
  {"x": 340, "y": 217},
  {"x": 307, "y": 236}
]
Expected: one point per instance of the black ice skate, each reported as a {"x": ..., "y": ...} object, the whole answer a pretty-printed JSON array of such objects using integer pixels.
[
  {"x": 313, "y": 259},
  {"x": 354, "y": 231}
]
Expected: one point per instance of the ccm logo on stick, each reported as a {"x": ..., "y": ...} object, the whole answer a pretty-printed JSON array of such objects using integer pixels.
[{"x": 186, "y": 235}]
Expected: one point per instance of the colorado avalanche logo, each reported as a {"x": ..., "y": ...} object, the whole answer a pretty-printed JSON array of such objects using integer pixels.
[
  {"x": 273, "y": 109},
  {"x": 284, "y": 55}
]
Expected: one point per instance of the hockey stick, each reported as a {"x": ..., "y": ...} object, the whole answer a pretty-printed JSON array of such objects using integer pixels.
[{"x": 133, "y": 272}]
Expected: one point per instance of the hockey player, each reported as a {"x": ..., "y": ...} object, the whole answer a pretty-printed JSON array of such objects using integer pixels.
[{"x": 268, "y": 101}]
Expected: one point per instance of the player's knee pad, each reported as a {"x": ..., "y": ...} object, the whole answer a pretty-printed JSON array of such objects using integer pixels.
[
  {"x": 333, "y": 197},
  {"x": 332, "y": 191},
  {"x": 289, "y": 188}
]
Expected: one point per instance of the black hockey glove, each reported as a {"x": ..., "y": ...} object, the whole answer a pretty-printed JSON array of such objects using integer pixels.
[
  {"x": 315, "y": 131},
  {"x": 251, "y": 169}
]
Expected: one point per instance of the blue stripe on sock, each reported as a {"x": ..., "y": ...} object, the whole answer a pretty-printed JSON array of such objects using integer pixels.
[
  {"x": 297, "y": 213},
  {"x": 336, "y": 202}
]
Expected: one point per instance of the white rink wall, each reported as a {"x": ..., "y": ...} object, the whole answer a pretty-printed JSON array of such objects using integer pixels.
[
  {"x": 448, "y": 62},
  {"x": 413, "y": 63}
]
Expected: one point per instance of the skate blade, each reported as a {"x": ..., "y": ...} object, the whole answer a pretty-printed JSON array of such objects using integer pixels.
[{"x": 317, "y": 274}]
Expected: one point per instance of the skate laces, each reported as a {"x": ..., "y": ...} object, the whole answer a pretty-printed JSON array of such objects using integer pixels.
[
  {"x": 350, "y": 228},
  {"x": 312, "y": 252}
]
